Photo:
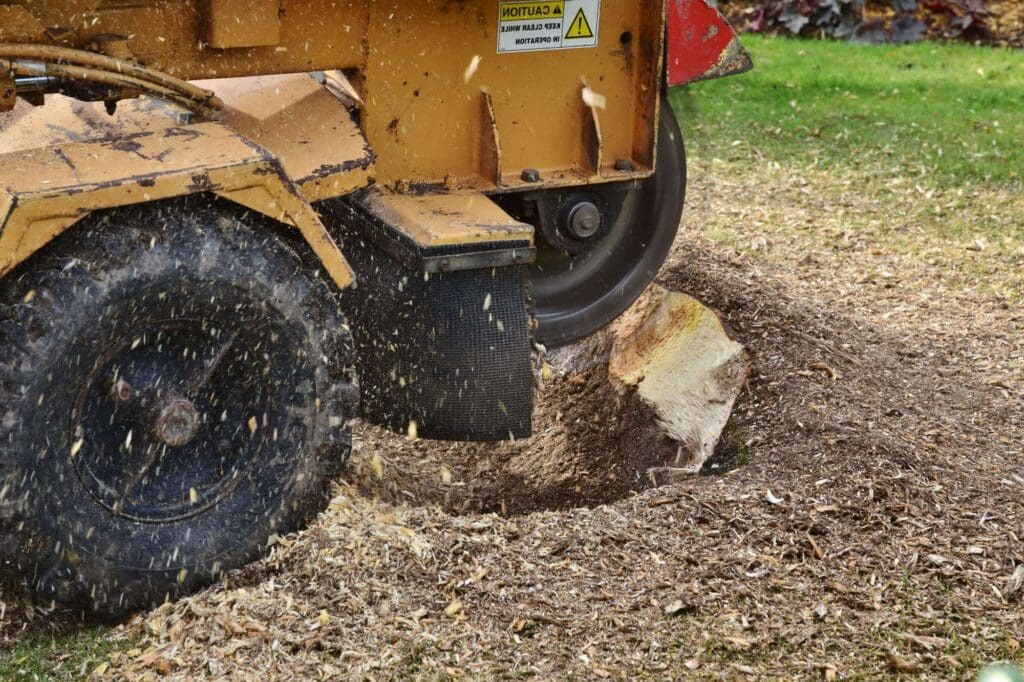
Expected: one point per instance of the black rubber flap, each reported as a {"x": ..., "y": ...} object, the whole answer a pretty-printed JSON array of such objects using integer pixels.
[{"x": 449, "y": 351}]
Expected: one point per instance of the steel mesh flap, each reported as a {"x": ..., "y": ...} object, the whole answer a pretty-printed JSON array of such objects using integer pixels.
[{"x": 449, "y": 351}]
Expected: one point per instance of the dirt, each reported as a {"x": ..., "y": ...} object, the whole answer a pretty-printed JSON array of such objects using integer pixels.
[
  {"x": 594, "y": 441},
  {"x": 863, "y": 518},
  {"x": 582, "y": 425}
]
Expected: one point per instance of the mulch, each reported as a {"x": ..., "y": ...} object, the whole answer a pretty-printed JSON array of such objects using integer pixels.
[{"x": 866, "y": 518}]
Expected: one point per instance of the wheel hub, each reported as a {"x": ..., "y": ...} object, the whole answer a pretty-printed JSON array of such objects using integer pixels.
[
  {"x": 160, "y": 430},
  {"x": 584, "y": 220},
  {"x": 177, "y": 421}
]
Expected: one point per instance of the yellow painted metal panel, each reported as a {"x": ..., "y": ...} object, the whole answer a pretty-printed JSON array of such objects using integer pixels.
[
  {"x": 175, "y": 36},
  {"x": 423, "y": 116},
  {"x": 46, "y": 190},
  {"x": 306, "y": 127},
  {"x": 253, "y": 24},
  {"x": 423, "y": 67},
  {"x": 432, "y": 220}
]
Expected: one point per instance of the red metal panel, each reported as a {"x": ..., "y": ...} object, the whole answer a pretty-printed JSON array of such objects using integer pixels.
[{"x": 701, "y": 44}]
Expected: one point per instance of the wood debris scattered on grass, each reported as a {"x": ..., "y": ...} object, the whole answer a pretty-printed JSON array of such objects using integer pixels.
[{"x": 890, "y": 542}]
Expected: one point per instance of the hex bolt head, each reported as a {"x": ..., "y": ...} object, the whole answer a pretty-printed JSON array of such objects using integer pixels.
[
  {"x": 531, "y": 175},
  {"x": 584, "y": 220},
  {"x": 624, "y": 166},
  {"x": 177, "y": 421},
  {"x": 121, "y": 390}
]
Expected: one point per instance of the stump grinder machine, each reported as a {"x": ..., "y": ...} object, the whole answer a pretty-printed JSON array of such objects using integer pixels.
[{"x": 228, "y": 228}]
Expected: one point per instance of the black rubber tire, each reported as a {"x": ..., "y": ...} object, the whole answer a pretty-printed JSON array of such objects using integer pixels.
[
  {"x": 203, "y": 266},
  {"x": 577, "y": 295}
]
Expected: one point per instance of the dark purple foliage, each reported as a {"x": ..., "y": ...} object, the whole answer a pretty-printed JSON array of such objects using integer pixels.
[
  {"x": 846, "y": 19},
  {"x": 963, "y": 18}
]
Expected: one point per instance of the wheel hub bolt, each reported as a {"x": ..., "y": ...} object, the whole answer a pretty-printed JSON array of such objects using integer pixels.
[
  {"x": 121, "y": 390},
  {"x": 177, "y": 421},
  {"x": 584, "y": 220}
]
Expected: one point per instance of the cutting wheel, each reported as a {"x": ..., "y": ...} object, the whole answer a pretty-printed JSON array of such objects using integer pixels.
[{"x": 599, "y": 247}]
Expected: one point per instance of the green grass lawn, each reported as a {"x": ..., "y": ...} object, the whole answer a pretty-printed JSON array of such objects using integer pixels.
[
  {"x": 72, "y": 655},
  {"x": 953, "y": 113}
]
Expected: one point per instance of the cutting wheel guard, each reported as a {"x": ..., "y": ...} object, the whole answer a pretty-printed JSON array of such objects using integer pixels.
[{"x": 447, "y": 351}]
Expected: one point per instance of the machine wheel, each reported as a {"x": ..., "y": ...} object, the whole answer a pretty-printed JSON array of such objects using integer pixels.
[
  {"x": 175, "y": 388},
  {"x": 599, "y": 247}
]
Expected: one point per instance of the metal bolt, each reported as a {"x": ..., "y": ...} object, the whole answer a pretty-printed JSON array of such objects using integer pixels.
[
  {"x": 451, "y": 182},
  {"x": 531, "y": 175},
  {"x": 177, "y": 422},
  {"x": 401, "y": 186},
  {"x": 121, "y": 390},
  {"x": 624, "y": 166},
  {"x": 584, "y": 220}
]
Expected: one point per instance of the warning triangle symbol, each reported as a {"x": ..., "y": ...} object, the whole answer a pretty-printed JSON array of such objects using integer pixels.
[
  {"x": 580, "y": 27},
  {"x": 557, "y": 11}
]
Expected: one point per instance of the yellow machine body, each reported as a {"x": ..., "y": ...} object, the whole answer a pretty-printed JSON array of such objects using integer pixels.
[
  {"x": 411, "y": 96},
  {"x": 88, "y": 163}
]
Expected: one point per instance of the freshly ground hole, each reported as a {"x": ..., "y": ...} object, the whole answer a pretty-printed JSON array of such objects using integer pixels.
[{"x": 592, "y": 444}]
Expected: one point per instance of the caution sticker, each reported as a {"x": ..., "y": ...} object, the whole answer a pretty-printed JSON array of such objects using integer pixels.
[{"x": 531, "y": 25}]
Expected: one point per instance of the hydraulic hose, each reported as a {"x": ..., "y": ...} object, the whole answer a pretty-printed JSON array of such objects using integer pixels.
[
  {"x": 84, "y": 73},
  {"x": 36, "y": 61}
]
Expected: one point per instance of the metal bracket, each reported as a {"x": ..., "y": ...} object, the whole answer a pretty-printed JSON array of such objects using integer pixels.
[
  {"x": 490, "y": 143},
  {"x": 433, "y": 232}
]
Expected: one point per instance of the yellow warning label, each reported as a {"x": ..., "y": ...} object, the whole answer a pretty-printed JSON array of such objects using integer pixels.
[
  {"x": 532, "y": 25},
  {"x": 532, "y": 11},
  {"x": 580, "y": 27}
]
